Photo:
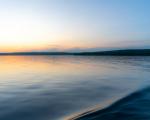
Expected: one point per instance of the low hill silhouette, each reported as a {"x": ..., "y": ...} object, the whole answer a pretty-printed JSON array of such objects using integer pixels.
[{"x": 125, "y": 52}]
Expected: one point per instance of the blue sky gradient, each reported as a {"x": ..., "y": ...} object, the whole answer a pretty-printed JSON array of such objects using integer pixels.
[{"x": 75, "y": 24}]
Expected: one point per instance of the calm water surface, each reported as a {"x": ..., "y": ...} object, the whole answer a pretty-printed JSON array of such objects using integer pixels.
[{"x": 61, "y": 87}]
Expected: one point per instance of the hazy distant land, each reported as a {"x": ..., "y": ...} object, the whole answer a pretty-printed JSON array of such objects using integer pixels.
[{"x": 125, "y": 52}]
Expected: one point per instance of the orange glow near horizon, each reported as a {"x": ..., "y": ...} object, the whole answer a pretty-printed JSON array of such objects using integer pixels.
[
  {"x": 61, "y": 45},
  {"x": 26, "y": 31}
]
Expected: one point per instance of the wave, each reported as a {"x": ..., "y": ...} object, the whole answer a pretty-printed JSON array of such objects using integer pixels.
[{"x": 135, "y": 106}]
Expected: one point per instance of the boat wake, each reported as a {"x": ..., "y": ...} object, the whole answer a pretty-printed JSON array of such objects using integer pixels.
[{"x": 135, "y": 106}]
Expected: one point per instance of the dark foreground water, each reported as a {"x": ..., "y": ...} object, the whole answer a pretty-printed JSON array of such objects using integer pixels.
[{"x": 74, "y": 87}]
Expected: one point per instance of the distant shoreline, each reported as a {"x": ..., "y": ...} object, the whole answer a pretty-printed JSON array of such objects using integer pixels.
[{"x": 125, "y": 52}]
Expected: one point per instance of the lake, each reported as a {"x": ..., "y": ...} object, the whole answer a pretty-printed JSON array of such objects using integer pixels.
[{"x": 65, "y": 87}]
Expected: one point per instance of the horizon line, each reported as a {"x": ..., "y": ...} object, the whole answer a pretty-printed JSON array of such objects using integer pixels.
[{"x": 117, "y": 52}]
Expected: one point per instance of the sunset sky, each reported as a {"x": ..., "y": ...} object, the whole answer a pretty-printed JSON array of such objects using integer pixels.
[{"x": 58, "y": 25}]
